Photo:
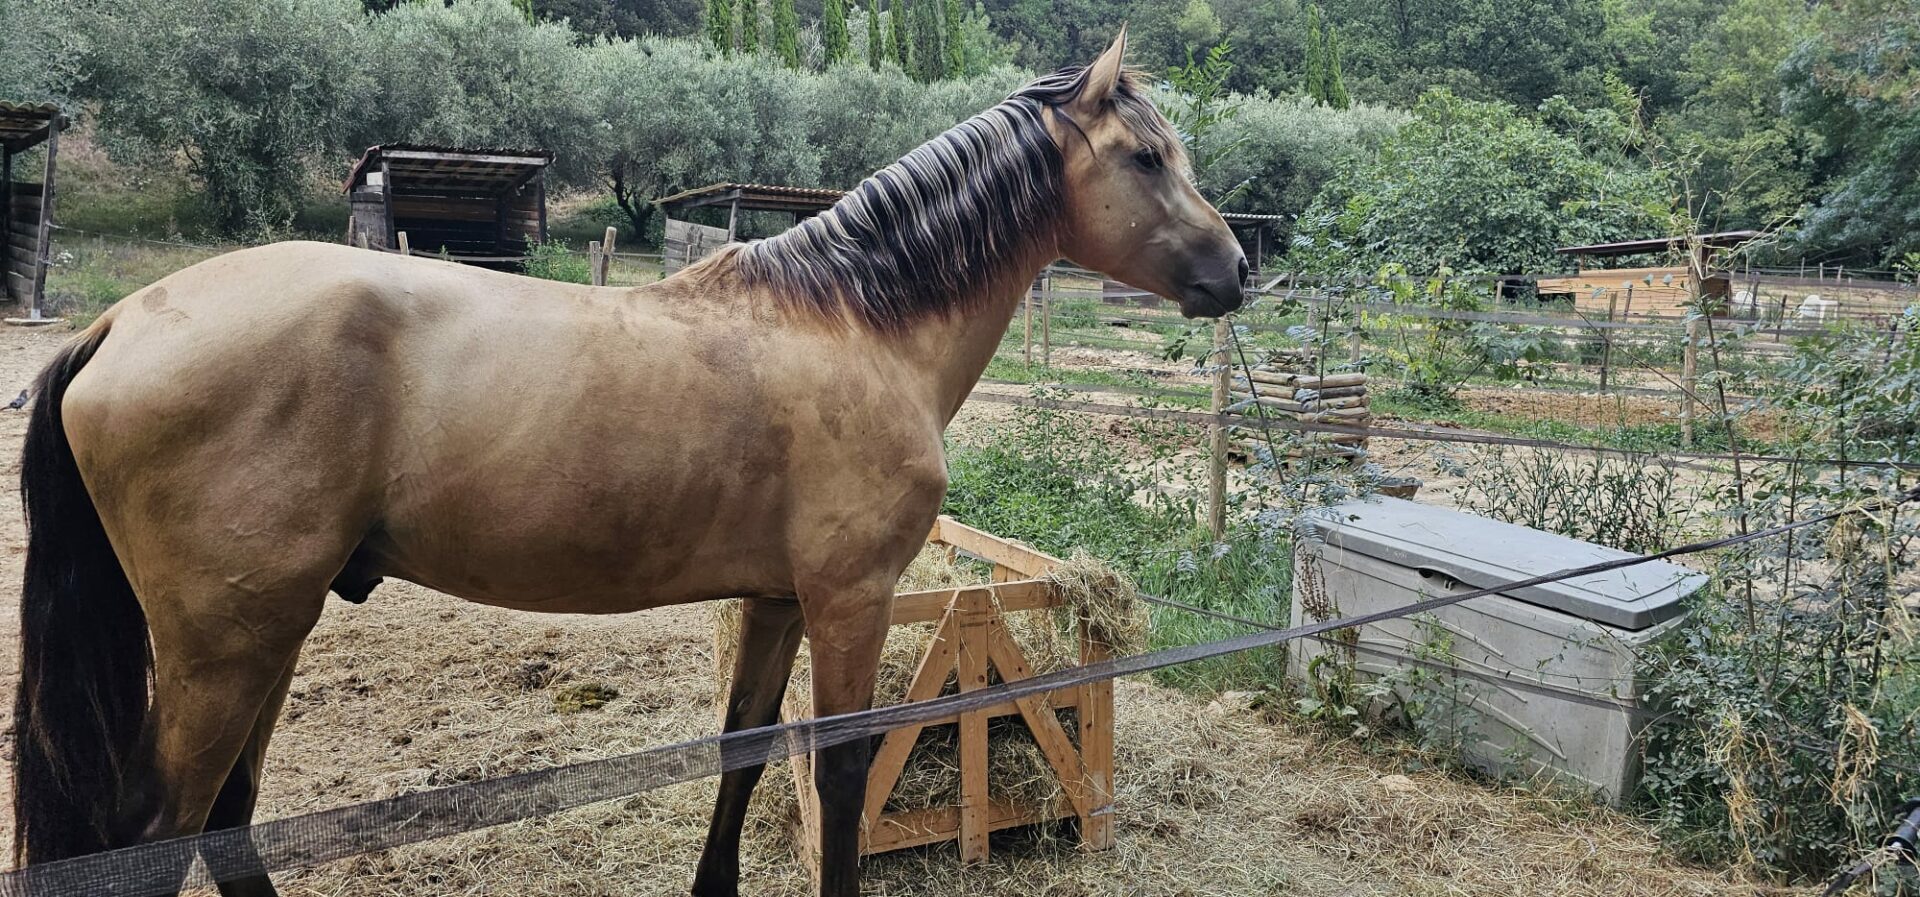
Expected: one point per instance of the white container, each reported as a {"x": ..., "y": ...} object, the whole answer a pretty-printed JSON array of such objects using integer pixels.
[{"x": 1582, "y": 635}]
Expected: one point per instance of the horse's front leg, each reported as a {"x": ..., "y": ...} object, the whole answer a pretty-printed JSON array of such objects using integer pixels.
[
  {"x": 845, "y": 630},
  {"x": 770, "y": 630}
]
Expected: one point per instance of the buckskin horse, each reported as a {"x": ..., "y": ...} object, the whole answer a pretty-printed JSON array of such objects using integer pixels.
[{"x": 221, "y": 449}]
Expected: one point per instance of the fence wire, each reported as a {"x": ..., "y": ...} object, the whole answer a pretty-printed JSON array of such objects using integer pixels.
[{"x": 163, "y": 867}]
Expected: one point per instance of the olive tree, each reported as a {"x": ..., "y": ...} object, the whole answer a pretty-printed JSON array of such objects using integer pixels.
[
  {"x": 477, "y": 73},
  {"x": 251, "y": 96}
]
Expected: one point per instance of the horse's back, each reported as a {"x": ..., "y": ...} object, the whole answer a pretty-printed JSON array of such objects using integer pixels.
[{"x": 507, "y": 439}]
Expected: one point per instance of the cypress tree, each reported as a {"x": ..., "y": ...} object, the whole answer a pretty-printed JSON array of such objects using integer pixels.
[
  {"x": 786, "y": 34},
  {"x": 929, "y": 54},
  {"x": 876, "y": 44},
  {"x": 749, "y": 27},
  {"x": 901, "y": 46},
  {"x": 956, "y": 41},
  {"x": 1336, "y": 83},
  {"x": 1316, "y": 74},
  {"x": 720, "y": 25},
  {"x": 833, "y": 31}
]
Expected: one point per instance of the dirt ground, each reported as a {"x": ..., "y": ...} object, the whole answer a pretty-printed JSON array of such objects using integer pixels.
[{"x": 415, "y": 690}]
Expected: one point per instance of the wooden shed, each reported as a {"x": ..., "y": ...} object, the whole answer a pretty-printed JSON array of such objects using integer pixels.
[
  {"x": 686, "y": 242},
  {"x": 1257, "y": 233},
  {"x": 1660, "y": 291},
  {"x": 484, "y": 206},
  {"x": 27, "y": 215}
]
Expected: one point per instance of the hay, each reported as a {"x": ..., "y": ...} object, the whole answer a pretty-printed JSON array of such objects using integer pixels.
[{"x": 1016, "y": 766}]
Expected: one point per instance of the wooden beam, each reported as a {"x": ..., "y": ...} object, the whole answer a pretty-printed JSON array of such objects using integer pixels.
[
  {"x": 45, "y": 241},
  {"x": 471, "y": 158},
  {"x": 993, "y": 548},
  {"x": 891, "y": 759},
  {"x": 975, "y": 612},
  {"x": 6, "y": 211},
  {"x": 387, "y": 233}
]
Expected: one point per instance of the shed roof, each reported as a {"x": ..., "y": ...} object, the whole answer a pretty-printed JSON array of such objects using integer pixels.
[
  {"x": 24, "y": 124},
  {"x": 1722, "y": 240},
  {"x": 754, "y": 197},
  {"x": 424, "y": 168},
  {"x": 1251, "y": 217}
]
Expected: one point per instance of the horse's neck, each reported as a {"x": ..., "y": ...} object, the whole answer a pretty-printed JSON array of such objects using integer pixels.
[{"x": 951, "y": 351}]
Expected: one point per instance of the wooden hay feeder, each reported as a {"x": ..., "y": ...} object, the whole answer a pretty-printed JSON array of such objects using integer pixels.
[{"x": 972, "y": 638}]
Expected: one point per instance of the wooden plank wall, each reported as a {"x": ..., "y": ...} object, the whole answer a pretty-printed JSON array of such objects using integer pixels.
[
  {"x": 1666, "y": 296},
  {"x": 686, "y": 242},
  {"x": 367, "y": 217},
  {"x": 22, "y": 240}
]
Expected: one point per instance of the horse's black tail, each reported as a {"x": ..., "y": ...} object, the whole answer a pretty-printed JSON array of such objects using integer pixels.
[{"x": 85, "y": 660}]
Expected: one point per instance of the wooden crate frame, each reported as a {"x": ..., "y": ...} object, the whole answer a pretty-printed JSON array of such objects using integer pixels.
[{"x": 972, "y": 637}]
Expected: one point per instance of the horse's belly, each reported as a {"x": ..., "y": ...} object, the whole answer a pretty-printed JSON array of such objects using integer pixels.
[{"x": 582, "y": 547}]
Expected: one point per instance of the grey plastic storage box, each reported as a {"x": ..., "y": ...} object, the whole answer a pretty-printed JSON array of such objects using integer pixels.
[{"x": 1582, "y": 634}]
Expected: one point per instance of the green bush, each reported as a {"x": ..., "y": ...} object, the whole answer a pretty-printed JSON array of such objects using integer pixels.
[{"x": 554, "y": 261}]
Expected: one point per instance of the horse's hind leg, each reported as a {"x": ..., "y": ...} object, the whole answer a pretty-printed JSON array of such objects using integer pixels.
[
  {"x": 223, "y": 657},
  {"x": 233, "y": 807},
  {"x": 770, "y": 630}
]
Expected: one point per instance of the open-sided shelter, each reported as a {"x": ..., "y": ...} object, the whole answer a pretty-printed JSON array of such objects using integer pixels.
[
  {"x": 1257, "y": 234},
  {"x": 686, "y": 242},
  {"x": 1663, "y": 290},
  {"x": 482, "y": 206},
  {"x": 28, "y": 205}
]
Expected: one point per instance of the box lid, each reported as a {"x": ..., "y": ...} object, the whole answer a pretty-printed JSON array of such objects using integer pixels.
[{"x": 1480, "y": 553}]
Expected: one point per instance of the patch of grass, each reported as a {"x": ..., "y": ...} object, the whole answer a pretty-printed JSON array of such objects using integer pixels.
[
  {"x": 90, "y": 274},
  {"x": 1051, "y": 503},
  {"x": 1650, "y": 437}
]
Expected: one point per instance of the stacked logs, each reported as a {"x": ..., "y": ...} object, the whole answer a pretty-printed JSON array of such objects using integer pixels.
[{"x": 1338, "y": 398}]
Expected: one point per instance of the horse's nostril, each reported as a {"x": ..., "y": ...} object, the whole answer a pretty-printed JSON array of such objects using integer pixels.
[{"x": 1244, "y": 268}]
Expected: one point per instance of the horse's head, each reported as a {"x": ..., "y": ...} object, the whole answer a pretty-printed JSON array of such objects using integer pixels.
[{"x": 1130, "y": 208}]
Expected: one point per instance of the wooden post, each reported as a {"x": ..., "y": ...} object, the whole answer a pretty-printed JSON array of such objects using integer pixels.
[
  {"x": 1026, "y": 342},
  {"x": 606, "y": 255},
  {"x": 44, "y": 242},
  {"x": 593, "y": 264},
  {"x": 1689, "y": 361},
  {"x": 976, "y": 612},
  {"x": 1046, "y": 320},
  {"x": 387, "y": 238},
  {"x": 1353, "y": 339},
  {"x": 1606, "y": 339},
  {"x": 405, "y": 247},
  {"x": 1096, "y": 744},
  {"x": 1217, "y": 467},
  {"x": 6, "y": 222}
]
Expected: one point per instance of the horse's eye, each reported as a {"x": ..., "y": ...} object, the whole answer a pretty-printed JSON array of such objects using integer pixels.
[{"x": 1148, "y": 159}]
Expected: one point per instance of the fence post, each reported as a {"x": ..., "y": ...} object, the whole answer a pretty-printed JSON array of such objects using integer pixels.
[
  {"x": 1217, "y": 468},
  {"x": 605, "y": 270},
  {"x": 595, "y": 273},
  {"x": 1353, "y": 339},
  {"x": 1046, "y": 320},
  {"x": 405, "y": 247},
  {"x": 1606, "y": 339},
  {"x": 1026, "y": 343},
  {"x": 1689, "y": 361}
]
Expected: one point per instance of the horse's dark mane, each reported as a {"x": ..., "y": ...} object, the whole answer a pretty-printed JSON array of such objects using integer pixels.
[{"x": 935, "y": 229}]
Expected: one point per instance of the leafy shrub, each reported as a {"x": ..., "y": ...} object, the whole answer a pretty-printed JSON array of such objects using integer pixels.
[
  {"x": 554, "y": 261},
  {"x": 1636, "y": 504},
  {"x": 1477, "y": 187},
  {"x": 1790, "y": 720}
]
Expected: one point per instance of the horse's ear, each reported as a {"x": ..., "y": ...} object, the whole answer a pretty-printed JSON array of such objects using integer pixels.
[{"x": 1103, "y": 76}]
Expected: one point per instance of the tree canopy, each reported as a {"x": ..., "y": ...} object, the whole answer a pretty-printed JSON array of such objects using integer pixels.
[{"x": 1476, "y": 187}]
